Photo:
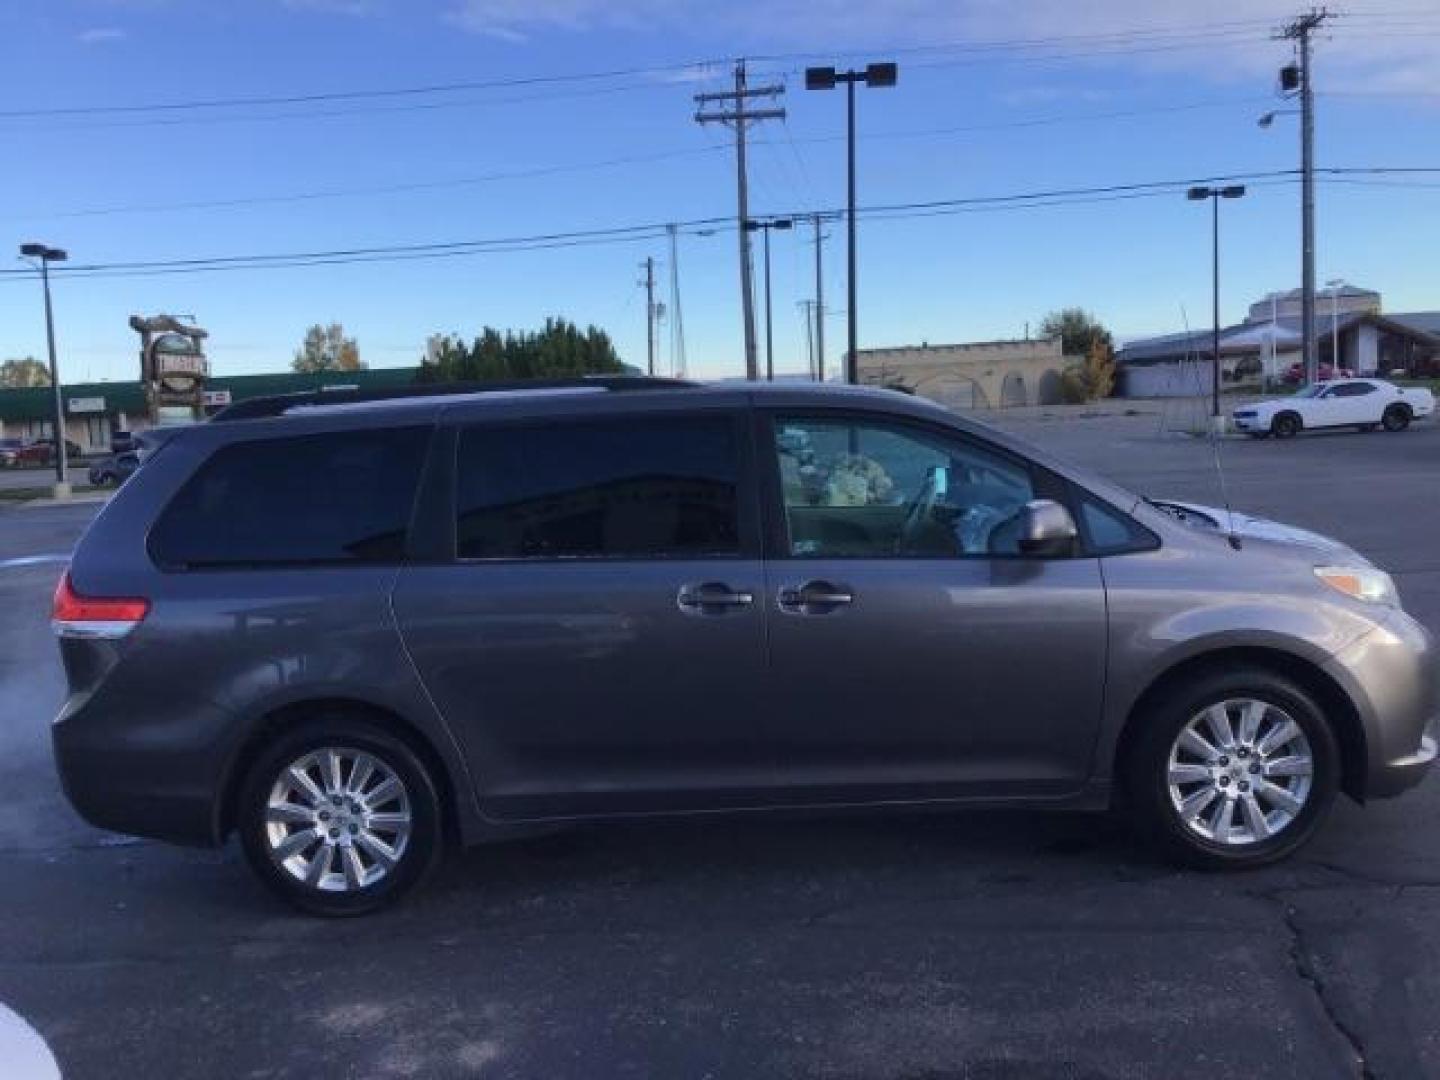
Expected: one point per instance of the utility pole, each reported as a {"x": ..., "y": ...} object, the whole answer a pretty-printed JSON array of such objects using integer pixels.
[
  {"x": 1298, "y": 78},
  {"x": 649, "y": 284},
  {"x": 807, "y": 308},
  {"x": 819, "y": 368},
  {"x": 677, "y": 325},
  {"x": 739, "y": 116}
]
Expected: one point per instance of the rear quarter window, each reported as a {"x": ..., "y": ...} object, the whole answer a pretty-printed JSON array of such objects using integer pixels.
[{"x": 330, "y": 499}]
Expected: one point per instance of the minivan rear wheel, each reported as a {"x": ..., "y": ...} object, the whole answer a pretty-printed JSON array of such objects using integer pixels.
[
  {"x": 1233, "y": 770},
  {"x": 339, "y": 817}
]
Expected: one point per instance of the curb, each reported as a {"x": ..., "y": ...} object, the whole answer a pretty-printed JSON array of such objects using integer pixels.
[{"x": 74, "y": 500}]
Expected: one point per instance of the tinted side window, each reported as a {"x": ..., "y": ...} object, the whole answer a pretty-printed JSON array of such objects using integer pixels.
[
  {"x": 632, "y": 487},
  {"x": 336, "y": 498},
  {"x": 1354, "y": 390}
]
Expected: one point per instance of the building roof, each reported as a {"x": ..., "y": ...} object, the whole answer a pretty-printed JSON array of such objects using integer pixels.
[
  {"x": 1250, "y": 337},
  {"x": 1425, "y": 322}
]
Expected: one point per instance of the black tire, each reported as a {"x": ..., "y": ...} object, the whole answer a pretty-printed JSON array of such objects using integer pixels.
[
  {"x": 419, "y": 854},
  {"x": 1395, "y": 418},
  {"x": 1147, "y": 764},
  {"x": 1285, "y": 426}
]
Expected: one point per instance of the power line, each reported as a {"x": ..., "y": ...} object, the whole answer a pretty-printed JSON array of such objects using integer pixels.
[
  {"x": 379, "y": 189},
  {"x": 358, "y": 94},
  {"x": 1141, "y": 38},
  {"x": 548, "y": 170},
  {"x": 654, "y": 231}
]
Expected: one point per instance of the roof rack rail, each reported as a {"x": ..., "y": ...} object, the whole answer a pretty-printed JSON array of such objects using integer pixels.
[{"x": 279, "y": 404}]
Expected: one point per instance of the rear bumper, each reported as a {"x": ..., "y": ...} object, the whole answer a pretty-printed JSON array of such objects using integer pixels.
[
  {"x": 1390, "y": 675},
  {"x": 157, "y": 777}
]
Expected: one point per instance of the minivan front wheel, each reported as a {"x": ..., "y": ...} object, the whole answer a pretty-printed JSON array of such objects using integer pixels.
[
  {"x": 1233, "y": 771},
  {"x": 339, "y": 817}
]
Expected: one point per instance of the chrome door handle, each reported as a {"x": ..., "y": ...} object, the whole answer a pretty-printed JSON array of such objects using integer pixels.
[
  {"x": 712, "y": 598},
  {"x": 814, "y": 598}
]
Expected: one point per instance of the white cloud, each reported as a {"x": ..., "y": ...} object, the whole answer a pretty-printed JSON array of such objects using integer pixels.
[
  {"x": 100, "y": 35},
  {"x": 1364, "y": 48}
]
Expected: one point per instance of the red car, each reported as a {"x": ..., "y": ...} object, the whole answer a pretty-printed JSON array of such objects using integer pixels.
[
  {"x": 1323, "y": 373},
  {"x": 36, "y": 452}
]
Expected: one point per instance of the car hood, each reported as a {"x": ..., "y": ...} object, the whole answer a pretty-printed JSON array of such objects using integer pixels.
[{"x": 1246, "y": 526}]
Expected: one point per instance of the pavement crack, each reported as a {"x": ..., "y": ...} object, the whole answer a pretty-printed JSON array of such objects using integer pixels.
[{"x": 1304, "y": 965}]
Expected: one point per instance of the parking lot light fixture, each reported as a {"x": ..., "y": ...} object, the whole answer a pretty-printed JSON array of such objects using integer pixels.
[
  {"x": 45, "y": 255},
  {"x": 877, "y": 76},
  {"x": 1215, "y": 194}
]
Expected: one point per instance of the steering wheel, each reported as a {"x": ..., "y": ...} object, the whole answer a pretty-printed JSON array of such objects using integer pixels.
[{"x": 920, "y": 512}]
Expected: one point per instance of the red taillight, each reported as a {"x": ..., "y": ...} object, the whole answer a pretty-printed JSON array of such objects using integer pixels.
[{"x": 74, "y": 615}]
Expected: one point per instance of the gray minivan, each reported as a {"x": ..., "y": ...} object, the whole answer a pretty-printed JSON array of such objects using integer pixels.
[{"x": 352, "y": 630}]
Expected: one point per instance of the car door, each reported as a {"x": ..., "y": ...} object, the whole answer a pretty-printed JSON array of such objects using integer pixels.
[
  {"x": 1358, "y": 403},
  {"x": 595, "y": 634},
  {"x": 915, "y": 653},
  {"x": 1329, "y": 408}
]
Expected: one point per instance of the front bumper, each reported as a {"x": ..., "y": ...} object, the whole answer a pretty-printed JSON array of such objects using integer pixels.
[{"x": 1390, "y": 676}]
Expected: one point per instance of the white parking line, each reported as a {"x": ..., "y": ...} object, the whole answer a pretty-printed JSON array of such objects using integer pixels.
[
  {"x": 32, "y": 560},
  {"x": 23, "y": 1051}
]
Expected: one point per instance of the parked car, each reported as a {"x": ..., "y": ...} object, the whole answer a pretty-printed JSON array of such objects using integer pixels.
[
  {"x": 41, "y": 451},
  {"x": 113, "y": 469},
  {"x": 122, "y": 442},
  {"x": 349, "y": 632},
  {"x": 1295, "y": 373},
  {"x": 1359, "y": 403},
  {"x": 10, "y": 451}
]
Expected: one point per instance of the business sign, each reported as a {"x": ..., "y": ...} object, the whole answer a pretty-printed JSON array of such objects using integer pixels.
[
  {"x": 214, "y": 399},
  {"x": 86, "y": 404},
  {"x": 172, "y": 366}
]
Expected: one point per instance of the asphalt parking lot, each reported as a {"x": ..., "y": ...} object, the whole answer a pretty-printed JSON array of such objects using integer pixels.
[{"x": 991, "y": 945}]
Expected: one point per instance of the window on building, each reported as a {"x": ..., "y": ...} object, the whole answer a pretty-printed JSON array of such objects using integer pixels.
[
  {"x": 625, "y": 488},
  {"x": 339, "y": 498}
]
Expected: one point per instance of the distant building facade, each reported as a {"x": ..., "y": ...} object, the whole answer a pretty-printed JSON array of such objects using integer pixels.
[
  {"x": 1350, "y": 328},
  {"x": 980, "y": 375},
  {"x": 95, "y": 411}
]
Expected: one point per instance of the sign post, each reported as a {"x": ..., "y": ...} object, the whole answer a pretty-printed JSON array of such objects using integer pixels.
[{"x": 173, "y": 369}]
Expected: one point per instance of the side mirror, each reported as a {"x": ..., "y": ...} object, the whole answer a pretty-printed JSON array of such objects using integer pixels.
[{"x": 1047, "y": 529}]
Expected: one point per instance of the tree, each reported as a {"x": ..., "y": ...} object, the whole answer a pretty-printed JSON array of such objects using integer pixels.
[
  {"x": 1077, "y": 330},
  {"x": 558, "y": 351},
  {"x": 1094, "y": 377},
  {"x": 326, "y": 348},
  {"x": 26, "y": 372}
]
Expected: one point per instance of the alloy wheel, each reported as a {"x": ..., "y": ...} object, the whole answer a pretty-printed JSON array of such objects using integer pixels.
[
  {"x": 1240, "y": 772},
  {"x": 338, "y": 819}
]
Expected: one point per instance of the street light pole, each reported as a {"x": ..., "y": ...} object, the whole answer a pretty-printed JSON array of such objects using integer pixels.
[
  {"x": 767, "y": 225},
  {"x": 1335, "y": 285},
  {"x": 47, "y": 255},
  {"x": 825, "y": 78},
  {"x": 1215, "y": 194}
]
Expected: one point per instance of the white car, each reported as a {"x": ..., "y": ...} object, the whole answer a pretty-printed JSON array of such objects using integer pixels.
[{"x": 1359, "y": 403}]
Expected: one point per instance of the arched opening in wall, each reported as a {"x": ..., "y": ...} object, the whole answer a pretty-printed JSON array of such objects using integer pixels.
[
  {"x": 1051, "y": 390},
  {"x": 957, "y": 392},
  {"x": 1012, "y": 391}
]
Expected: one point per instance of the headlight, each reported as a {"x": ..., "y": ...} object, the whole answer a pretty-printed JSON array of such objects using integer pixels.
[{"x": 1362, "y": 583}]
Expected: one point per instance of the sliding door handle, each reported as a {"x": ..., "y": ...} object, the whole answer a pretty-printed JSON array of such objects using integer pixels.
[
  {"x": 814, "y": 598},
  {"x": 712, "y": 598}
]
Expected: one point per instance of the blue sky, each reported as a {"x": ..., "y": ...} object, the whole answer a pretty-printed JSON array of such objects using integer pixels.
[{"x": 970, "y": 118}]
